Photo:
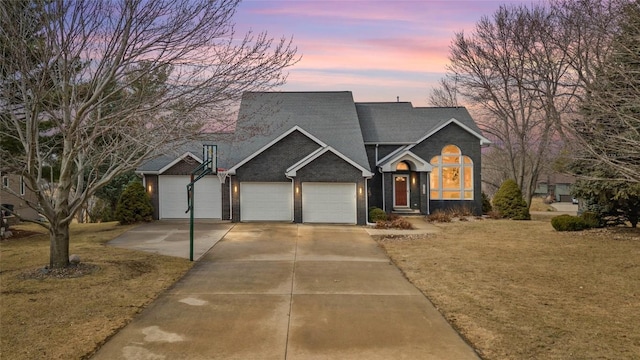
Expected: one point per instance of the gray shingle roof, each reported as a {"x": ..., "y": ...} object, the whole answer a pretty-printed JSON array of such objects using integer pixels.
[
  {"x": 401, "y": 123},
  {"x": 329, "y": 116},
  {"x": 169, "y": 154}
]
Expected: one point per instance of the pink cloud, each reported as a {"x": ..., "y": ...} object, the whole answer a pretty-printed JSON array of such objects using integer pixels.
[{"x": 403, "y": 54}]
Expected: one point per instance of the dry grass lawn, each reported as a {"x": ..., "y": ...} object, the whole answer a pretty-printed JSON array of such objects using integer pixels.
[
  {"x": 67, "y": 318},
  {"x": 520, "y": 290}
]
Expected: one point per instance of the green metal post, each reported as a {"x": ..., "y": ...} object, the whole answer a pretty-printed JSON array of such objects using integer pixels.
[{"x": 192, "y": 207}]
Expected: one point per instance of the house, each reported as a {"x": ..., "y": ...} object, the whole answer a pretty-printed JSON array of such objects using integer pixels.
[
  {"x": 556, "y": 186},
  {"x": 15, "y": 195},
  {"x": 320, "y": 157}
]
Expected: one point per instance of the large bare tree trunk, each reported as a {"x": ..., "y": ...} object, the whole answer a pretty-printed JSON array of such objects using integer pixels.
[{"x": 59, "y": 245}]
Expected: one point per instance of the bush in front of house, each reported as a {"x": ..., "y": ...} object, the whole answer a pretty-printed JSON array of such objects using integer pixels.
[
  {"x": 394, "y": 222},
  {"x": 568, "y": 223},
  {"x": 377, "y": 214},
  {"x": 134, "y": 205},
  {"x": 509, "y": 203},
  {"x": 439, "y": 216}
]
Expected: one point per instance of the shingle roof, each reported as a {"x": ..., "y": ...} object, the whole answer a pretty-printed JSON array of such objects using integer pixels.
[
  {"x": 331, "y": 117},
  {"x": 401, "y": 123},
  {"x": 169, "y": 154}
]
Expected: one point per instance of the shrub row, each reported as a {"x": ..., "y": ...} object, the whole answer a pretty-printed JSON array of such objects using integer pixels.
[{"x": 449, "y": 214}]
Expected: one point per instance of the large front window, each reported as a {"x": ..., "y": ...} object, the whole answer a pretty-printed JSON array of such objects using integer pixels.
[{"x": 452, "y": 175}]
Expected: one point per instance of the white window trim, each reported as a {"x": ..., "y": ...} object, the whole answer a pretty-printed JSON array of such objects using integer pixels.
[{"x": 461, "y": 166}]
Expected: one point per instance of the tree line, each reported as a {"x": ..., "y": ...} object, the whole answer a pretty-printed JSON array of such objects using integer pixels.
[{"x": 556, "y": 86}]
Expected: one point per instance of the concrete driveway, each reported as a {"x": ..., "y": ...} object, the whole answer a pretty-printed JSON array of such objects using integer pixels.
[
  {"x": 171, "y": 237},
  {"x": 289, "y": 291}
]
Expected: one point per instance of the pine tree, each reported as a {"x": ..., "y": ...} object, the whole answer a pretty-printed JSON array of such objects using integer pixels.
[{"x": 609, "y": 130}]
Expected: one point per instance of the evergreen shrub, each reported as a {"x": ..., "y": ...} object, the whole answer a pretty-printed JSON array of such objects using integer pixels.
[
  {"x": 486, "y": 204},
  {"x": 509, "y": 203},
  {"x": 591, "y": 219},
  {"x": 568, "y": 223},
  {"x": 134, "y": 205},
  {"x": 377, "y": 214}
]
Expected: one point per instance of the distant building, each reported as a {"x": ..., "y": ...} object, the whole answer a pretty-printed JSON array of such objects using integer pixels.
[
  {"x": 14, "y": 195},
  {"x": 556, "y": 185}
]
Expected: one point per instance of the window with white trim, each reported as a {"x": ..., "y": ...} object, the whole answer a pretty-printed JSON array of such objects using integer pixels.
[
  {"x": 452, "y": 175},
  {"x": 5, "y": 181}
]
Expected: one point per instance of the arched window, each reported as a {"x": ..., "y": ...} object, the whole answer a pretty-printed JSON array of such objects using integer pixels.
[
  {"x": 452, "y": 175},
  {"x": 402, "y": 166}
]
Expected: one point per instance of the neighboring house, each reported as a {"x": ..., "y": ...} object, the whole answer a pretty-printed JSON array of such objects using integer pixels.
[
  {"x": 556, "y": 185},
  {"x": 319, "y": 157},
  {"x": 15, "y": 195}
]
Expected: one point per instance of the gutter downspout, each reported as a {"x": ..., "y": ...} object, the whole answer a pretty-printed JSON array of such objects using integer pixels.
[
  {"x": 384, "y": 205},
  {"x": 366, "y": 200},
  {"x": 230, "y": 198}
]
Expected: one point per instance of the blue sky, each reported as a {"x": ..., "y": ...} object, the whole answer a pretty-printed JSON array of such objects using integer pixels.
[{"x": 377, "y": 49}]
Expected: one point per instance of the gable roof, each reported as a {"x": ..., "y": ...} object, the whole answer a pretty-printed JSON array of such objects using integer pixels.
[
  {"x": 168, "y": 156},
  {"x": 233, "y": 169},
  {"x": 292, "y": 171},
  {"x": 390, "y": 162},
  {"x": 330, "y": 117},
  {"x": 443, "y": 124},
  {"x": 402, "y": 124}
]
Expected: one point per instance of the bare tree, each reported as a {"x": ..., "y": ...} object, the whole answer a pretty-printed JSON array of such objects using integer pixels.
[
  {"x": 609, "y": 129},
  {"x": 446, "y": 93},
  {"x": 523, "y": 70},
  {"x": 95, "y": 86}
]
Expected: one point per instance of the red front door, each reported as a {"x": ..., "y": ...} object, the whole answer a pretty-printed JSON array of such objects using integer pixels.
[{"x": 401, "y": 190}]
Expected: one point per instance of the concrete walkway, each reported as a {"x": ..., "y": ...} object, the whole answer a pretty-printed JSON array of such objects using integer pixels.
[{"x": 289, "y": 291}]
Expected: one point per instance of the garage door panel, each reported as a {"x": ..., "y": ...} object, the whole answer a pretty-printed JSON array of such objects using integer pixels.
[
  {"x": 329, "y": 203},
  {"x": 173, "y": 197},
  {"x": 266, "y": 201}
]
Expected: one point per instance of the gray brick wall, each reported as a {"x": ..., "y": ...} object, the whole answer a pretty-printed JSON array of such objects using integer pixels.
[
  {"x": 271, "y": 164},
  {"x": 470, "y": 146},
  {"x": 331, "y": 168},
  {"x": 182, "y": 167}
]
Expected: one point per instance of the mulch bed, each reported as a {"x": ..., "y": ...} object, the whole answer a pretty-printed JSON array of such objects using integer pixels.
[{"x": 71, "y": 271}]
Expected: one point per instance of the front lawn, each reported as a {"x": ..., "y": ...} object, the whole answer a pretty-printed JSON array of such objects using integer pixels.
[
  {"x": 520, "y": 290},
  {"x": 58, "y": 316}
]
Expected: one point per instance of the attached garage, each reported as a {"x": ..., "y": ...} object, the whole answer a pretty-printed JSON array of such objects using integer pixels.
[
  {"x": 173, "y": 197},
  {"x": 329, "y": 203},
  {"x": 266, "y": 201}
]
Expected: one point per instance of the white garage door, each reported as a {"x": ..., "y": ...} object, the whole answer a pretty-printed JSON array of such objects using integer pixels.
[
  {"x": 266, "y": 201},
  {"x": 173, "y": 197},
  {"x": 329, "y": 203}
]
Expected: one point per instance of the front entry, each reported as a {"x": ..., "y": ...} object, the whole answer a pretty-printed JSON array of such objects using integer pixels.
[{"x": 400, "y": 191}]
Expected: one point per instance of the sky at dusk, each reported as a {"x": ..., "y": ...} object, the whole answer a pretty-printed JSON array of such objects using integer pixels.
[{"x": 378, "y": 49}]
